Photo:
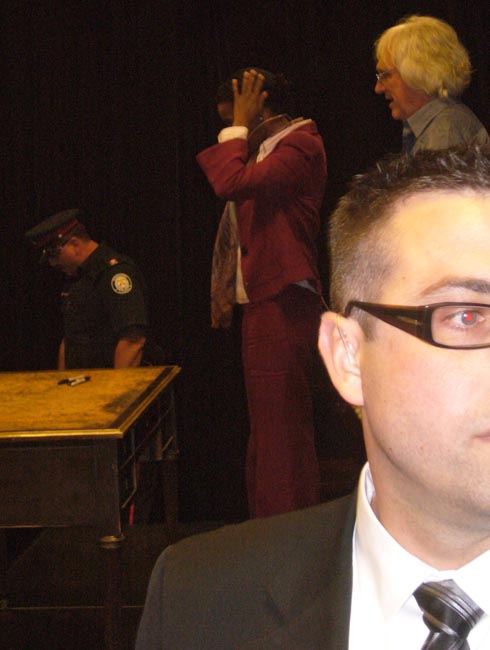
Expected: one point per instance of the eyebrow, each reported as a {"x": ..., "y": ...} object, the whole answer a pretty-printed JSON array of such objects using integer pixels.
[{"x": 471, "y": 284}]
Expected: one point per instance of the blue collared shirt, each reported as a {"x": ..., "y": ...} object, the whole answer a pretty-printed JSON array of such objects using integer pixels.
[{"x": 443, "y": 123}]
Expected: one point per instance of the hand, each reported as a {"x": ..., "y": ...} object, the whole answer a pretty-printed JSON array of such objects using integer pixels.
[{"x": 249, "y": 102}]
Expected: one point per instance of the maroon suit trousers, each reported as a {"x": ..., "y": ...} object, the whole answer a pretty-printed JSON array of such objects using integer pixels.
[{"x": 279, "y": 338}]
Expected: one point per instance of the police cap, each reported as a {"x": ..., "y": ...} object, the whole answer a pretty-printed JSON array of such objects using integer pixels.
[{"x": 55, "y": 230}]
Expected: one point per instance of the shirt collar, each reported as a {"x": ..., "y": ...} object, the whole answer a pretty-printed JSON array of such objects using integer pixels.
[
  {"x": 389, "y": 573},
  {"x": 383, "y": 565},
  {"x": 419, "y": 120},
  {"x": 270, "y": 143}
]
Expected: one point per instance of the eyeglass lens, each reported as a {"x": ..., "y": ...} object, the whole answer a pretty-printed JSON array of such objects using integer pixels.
[{"x": 461, "y": 325}]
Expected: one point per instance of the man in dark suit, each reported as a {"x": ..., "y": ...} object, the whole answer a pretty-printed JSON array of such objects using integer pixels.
[{"x": 405, "y": 562}]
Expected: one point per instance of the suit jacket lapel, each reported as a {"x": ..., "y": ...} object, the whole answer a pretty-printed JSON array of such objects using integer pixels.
[{"x": 314, "y": 600}]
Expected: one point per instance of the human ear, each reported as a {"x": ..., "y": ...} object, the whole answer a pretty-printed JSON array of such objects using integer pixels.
[{"x": 339, "y": 343}]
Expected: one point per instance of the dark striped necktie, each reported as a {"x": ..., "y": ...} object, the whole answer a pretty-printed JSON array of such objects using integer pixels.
[{"x": 449, "y": 613}]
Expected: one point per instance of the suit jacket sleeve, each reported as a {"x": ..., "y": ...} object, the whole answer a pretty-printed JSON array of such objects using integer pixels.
[{"x": 285, "y": 171}]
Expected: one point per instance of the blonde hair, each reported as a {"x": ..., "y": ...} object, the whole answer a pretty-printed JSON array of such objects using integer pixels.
[{"x": 428, "y": 55}]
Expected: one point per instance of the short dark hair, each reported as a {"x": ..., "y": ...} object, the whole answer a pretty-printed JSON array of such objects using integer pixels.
[
  {"x": 279, "y": 90},
  {"x": 360, "y": 257}
]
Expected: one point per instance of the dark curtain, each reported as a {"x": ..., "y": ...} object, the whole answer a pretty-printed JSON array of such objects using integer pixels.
[{"x": 106, "y": 104}]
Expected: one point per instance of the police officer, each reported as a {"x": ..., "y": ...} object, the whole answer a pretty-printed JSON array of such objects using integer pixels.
[{"x": 103, "y": 300}]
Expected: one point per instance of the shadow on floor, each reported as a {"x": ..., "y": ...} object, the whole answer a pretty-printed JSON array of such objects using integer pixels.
[{"x": 54, "y": 588}]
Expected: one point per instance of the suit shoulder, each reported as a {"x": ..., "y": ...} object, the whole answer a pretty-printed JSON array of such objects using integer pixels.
[
  {"x": 269, "y": 541},
  {"x": 243, "y": 582},
  {"x": 306, "y": 137}
]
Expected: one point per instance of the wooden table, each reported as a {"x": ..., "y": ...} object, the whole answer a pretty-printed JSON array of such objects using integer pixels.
[{"x": 64, "y": 450}]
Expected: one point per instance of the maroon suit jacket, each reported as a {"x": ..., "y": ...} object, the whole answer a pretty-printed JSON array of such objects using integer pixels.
[{"x": 277, "y": 204}]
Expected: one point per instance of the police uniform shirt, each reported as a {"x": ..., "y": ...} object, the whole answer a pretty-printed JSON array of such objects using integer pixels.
[{"x": 102, "y": 302}]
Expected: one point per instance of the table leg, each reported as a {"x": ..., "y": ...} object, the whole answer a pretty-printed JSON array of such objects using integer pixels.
[
  {"x": 3, "y": 569},
  {"x": 169, "y": 466},
  {"x": 111, "y": 548}
]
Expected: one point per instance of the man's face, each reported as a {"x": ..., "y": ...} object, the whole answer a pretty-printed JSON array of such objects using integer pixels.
[
  {"x": 64, "y": 258},
  {"x": 426, "y": 410},
  {"x": 403, "y": 100}
]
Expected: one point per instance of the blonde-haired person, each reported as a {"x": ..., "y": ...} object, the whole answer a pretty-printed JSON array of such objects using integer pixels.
[{"x": 422, "y": 68}]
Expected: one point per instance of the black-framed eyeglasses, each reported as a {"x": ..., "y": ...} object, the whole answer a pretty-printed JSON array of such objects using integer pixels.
[{"x": 455, "y": 325}]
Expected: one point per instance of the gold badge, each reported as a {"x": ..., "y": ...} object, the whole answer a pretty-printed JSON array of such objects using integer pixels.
[{"x": 121, "y": 283}]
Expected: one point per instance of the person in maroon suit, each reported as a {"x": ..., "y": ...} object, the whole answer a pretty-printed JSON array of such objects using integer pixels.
[{"x": 271, "y": 170}]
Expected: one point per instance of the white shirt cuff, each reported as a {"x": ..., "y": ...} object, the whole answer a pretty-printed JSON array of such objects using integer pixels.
[{"x": 232, "y": 132}]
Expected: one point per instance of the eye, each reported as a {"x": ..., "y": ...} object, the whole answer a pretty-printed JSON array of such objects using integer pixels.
[
  {"x": 383, "y": 75},
  {"x": 463, "y": 317},
  {"x": 466, "y": 318},
  {"x": 469, "y": 317}
]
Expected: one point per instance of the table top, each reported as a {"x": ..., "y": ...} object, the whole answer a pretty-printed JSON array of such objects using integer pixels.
[{"x": 33, "y": 405}]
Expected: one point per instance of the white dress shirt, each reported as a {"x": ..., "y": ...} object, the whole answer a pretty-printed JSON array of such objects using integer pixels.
[{"x": 385, "y": 615}]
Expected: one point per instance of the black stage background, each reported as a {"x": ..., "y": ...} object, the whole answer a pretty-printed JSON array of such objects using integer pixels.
[{"x": 107, "y": 104}]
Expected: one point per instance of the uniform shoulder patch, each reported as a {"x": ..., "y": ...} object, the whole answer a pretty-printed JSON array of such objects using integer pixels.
[{"x": 121, "y": 283}]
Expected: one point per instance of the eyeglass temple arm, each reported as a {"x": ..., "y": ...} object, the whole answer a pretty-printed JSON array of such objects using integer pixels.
[{"x": 408, "y": 320}]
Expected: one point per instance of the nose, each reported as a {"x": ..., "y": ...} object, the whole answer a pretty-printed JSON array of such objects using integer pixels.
[{"x": 378, "y": 87}]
